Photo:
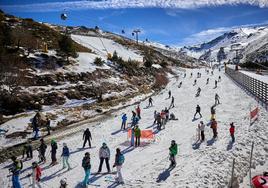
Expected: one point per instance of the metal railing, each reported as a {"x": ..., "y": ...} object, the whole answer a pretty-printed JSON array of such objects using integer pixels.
[{"x": 256, "y": 87}]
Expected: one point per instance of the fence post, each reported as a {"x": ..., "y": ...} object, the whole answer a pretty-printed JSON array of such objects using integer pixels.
[
  {"x": 250, "y": 161},
  {"x": 232, "y": 176}
]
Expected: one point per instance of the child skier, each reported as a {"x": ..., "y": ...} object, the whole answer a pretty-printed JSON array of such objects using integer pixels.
[
  {"x": 36, "y": 175},
  {"x": 173, "y": 150},
  {"x": 87, "y": 166},
  {"x": 119, "y": 160},
  {"x": 65, "y": 155}
]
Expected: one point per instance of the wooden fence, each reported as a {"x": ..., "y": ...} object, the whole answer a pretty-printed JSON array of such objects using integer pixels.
[{"x": 256, "y": 87}]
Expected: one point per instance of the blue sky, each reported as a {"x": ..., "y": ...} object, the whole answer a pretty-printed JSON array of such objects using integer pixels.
[{"x": 173, "y": 22}]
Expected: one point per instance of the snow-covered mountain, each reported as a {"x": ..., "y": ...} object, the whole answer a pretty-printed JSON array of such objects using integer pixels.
[{"x": 245, "y": 44}]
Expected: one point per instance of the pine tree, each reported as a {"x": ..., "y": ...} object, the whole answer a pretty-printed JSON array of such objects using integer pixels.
[{"x": 66, "y": 46}]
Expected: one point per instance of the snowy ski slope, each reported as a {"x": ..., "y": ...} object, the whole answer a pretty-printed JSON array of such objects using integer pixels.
[{"x": 207, "y": 165}]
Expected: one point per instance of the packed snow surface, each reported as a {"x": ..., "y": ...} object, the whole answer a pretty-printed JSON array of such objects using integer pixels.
[
  {"x": 102, "y": 46},
  {"x": 202, "y": 165}
]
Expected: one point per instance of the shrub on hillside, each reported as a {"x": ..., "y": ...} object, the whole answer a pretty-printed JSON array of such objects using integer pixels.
[
  {"x": 161, "y": 81},
  {"x": 98, "y": 61}
]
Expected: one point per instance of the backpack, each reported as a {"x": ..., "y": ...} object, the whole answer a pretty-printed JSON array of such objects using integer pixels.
[{"x": 121, "y": 159}]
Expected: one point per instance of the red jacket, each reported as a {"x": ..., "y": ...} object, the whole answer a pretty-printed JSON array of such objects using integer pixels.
[
  {"x": 38, "y": 173},
  {"x": 138, "y": 110},
  {"x": 232, "y": 129}
]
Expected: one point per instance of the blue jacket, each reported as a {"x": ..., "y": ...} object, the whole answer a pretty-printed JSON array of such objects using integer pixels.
[
  {"x": 65, "y": 151},
  {"x": 124, "y": 118}
]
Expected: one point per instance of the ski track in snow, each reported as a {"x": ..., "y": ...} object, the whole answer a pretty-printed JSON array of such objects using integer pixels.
[{"x": 206, "y": 166}]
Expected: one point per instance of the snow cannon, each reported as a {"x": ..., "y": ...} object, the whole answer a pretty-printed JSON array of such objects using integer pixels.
[
  {"x": 260, "y": 181},
  {"x": 63, "y": 16}
]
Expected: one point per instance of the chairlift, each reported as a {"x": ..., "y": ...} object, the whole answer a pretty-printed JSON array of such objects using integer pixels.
[{"x": 63, "y": 16}]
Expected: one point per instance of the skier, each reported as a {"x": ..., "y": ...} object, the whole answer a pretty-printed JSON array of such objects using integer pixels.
[
  {"x": 150, "y": 101},
  {"x": 35, "y": 127},
  {"x": 179, "y": 86},
  {"x": 163, "y": 118},
  {"x": 198, "y": 111},
  {"x": 219, "y": 79},
  {"x": 172, "y": 103},
  {"x": 65, "y": 156},
  {"x": 137, "y": 136},
  {"x": 138, "y": 110},
  {"x": 213, "y": 112},
  {"x": 173, "y": 150},
  {"x": 159, "y": 121},
  {"x": 207, "y": 80},
  {"x": 184, "y": 75},
  {"x": 48, "y": 126},
  {"x": 63, "y": 183},
  {"x": 87, "y": 137},
  {"x": 191, "y": 75},
  {"x": 155, "y": 117},
  {"x": 169, "y": 94},
  {"x": 167, "y": 114},
  {"x": 87, "y": 166},
  {"x": 202, "y": 131},
  {"x": 135, "y": 119},
  {"x": 198, "y": 92},
  {"x": 119, "y": 160},
  {"x": 212, "y": 72},
  {"x": 194, "y": 83},
  {"x": 54, "y": 148},
  {"x": 216, "y": 82},
  {"x": 232, "y": 130},
  {"x": 42, "y": 150},
  {"x": 36, "y": 175},
  {"x": 28, "y": 149},
  {"x": 124, "y": 121},
  {"x": 15, "y": 169},
  {"x": 214, "y": 128},
  {"x": 104, "y": 154},
  {"x": 217, "y": 101},
  {"x": 132, "y": 139}
]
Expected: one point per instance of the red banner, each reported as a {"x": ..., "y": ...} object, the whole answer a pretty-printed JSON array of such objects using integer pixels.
[
  {"x": 145, "y": 134},
  {"x": 254, "y": 113}
]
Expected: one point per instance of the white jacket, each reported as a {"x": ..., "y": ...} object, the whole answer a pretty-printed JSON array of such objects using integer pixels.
[
  {"x": 104, "y": 152},
  {"x": 202, "y": 126}
]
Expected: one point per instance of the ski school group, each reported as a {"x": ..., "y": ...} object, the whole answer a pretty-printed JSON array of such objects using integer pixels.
[{"x": 160, "y": 120}]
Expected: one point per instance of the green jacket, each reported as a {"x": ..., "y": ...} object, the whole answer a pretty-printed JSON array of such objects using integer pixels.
[
  {"x": 173, "y": 149},
  {"x": 137, "y": 132}
]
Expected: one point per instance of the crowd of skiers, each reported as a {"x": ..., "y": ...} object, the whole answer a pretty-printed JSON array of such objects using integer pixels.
[{"x": 160, "y": 119}]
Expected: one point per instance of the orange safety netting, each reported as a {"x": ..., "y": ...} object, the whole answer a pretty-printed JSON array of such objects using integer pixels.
[
  {"x": 254, "y": 112},
  {"x": 145, "y": 134}
]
